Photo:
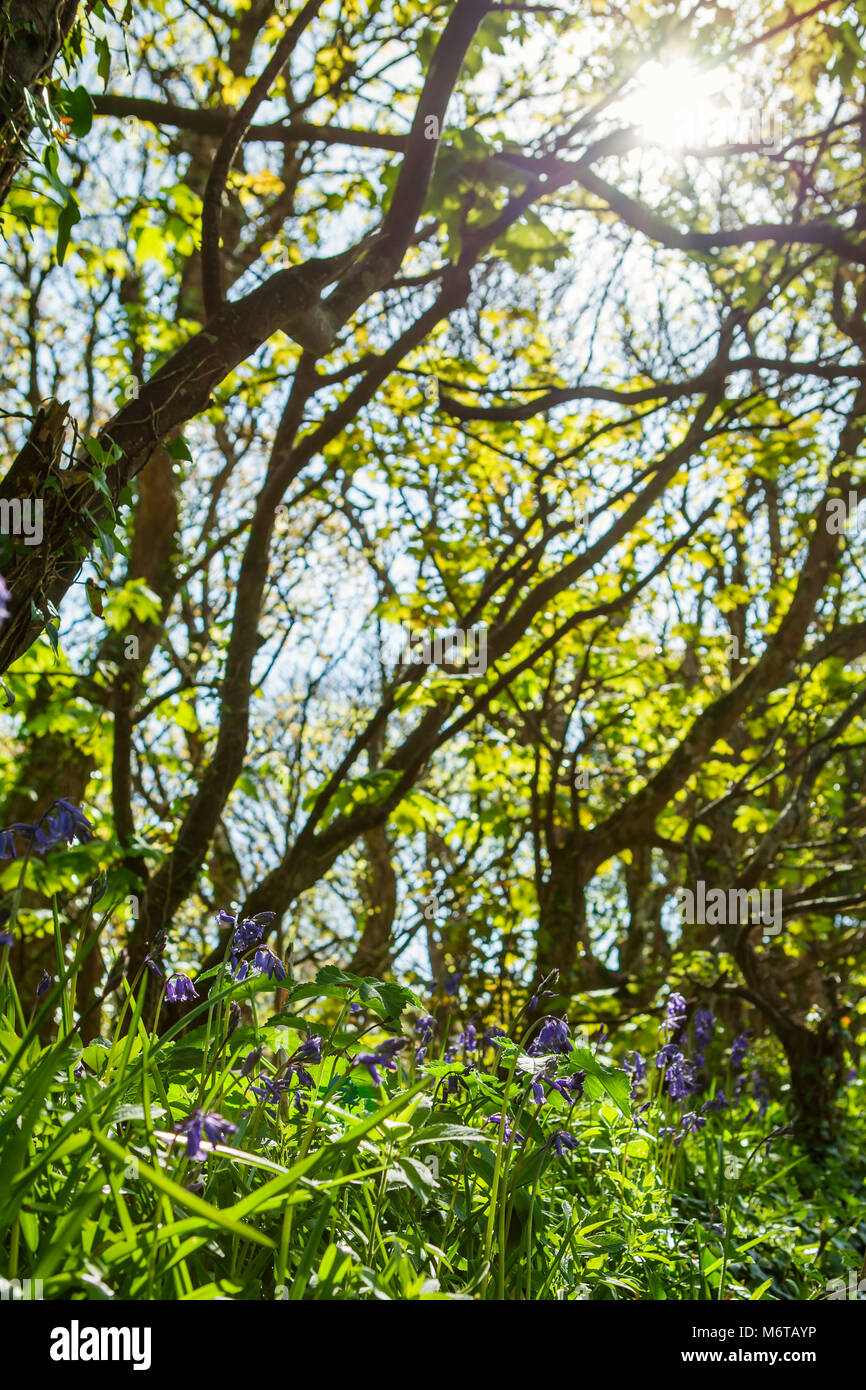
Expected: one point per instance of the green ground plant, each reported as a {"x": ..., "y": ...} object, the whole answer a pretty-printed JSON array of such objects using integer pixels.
[{"x": 354, "y": 1145}]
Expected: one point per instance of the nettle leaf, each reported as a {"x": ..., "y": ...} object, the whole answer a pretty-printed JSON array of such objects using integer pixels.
[
  {"x": 385, "y": 998},
  {"x": 612, "y": 1079}
]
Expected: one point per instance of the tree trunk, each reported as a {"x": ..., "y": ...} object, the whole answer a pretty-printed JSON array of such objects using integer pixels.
[
  {"x": 31, "y": 36},
  {"x": 373, "y": 953},
  {"x": 816, "y": 1062}
]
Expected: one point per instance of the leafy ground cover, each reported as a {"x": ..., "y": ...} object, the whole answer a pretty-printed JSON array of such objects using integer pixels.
[{"x": 356, "y": 1145}]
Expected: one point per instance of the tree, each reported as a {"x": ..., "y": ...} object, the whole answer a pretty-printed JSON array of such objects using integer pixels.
[{"x": 395, "y": 315}]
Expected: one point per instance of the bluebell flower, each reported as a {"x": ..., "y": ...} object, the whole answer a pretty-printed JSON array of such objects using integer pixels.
[
  {"x": 676, "y": 1082},
  {"x": 681, "y": 1079},
  {"x": 636, "y": 1069},
  {"x": 424, "y": 1028},
  {"x": 214, "y": 1127},
  {"x": 179, "y": 989},
  {"x": 641, "y": 1123},
  {"x": 667, "y": 1054},
  {"x": 760, "y": 1091},
  {"x": 44, "y": 984},
  {"x": 691, "y": 1122},
  {"x": 536, "y": 1090},
  {"x": 561, "y": 1140},
  {"x": 230, "y": 919},
  {"x": 468, "y": 1038},
  {"x": 5, "y": 599},
  {"x": 267, "y": 962},
  {"x": 675, "y": 1013},
  {"x": 98, "y": 889},
  {"x": 36, "y": 834},
  {"x": 508, "y": 1130},
  {"x": 270, "y": 1090},
  {"x": 384, "y": 1056},
  {"x": 310, "y": 1049},
  {"x": 68, "y": 823},
  {"x": 452, "y": 984},
  {"x": 247, "y": 934},
  {"x": 6, "y": 938},
  {"x": 251, "y": 1061},
  {"x": 155, "y": 949},
  {"x": 705, "y": 1026},
  {"x": 452, "y": 1083},
  {"x": 718, "y": 1102},
  {"x": 776, "y": 1134},
  {"x": 305, "y": 1081},
  {"x": 570, "y": 1087},
  {"x": 490, "y": 1036},
  {"x": 553, "y": 1036},
  {"x": 739, "y": 1048},
  {"x": 680, "y": 1074}
]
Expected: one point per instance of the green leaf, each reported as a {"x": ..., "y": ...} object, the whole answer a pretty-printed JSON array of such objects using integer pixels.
[
  {"x": 69, "y": 215},
  {"x": 178, "y": 449},
  {"x": 80, "y": 108},
  {"x": 614, "y": 1081}
]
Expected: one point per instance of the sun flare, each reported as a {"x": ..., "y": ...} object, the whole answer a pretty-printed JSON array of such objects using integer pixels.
[{"x": 679, "y": 103}]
